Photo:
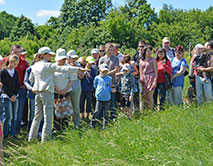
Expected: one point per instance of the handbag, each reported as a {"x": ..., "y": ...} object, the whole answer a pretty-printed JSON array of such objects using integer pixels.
[
  {"x": 63, "y": 107},
  {"x": 168, "y": 82}
]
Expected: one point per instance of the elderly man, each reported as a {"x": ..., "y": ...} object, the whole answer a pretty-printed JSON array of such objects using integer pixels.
[{"x": 166, "y": 45}]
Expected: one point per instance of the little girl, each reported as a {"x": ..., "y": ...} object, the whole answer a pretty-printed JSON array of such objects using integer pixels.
[{"x": 10, "y": 80}]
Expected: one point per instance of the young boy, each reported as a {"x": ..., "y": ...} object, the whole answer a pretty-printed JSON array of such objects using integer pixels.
[
  {"x": 102, "y": 84},
  {"x": 126, "y": 85}
]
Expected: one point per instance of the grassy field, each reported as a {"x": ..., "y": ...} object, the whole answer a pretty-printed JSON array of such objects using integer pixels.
[{"x": 176, "y": 136}]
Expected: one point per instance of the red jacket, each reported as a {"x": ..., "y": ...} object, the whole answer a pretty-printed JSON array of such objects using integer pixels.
[
  {"x": 161, "y": 68},
  {"x": 21, "y": 68}
]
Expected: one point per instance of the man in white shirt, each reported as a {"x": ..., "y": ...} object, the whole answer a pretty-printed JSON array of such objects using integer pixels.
[{"x": 43, "y": 77}]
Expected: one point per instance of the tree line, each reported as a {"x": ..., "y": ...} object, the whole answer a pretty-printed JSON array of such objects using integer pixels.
[{"x": 85, "y": 24}]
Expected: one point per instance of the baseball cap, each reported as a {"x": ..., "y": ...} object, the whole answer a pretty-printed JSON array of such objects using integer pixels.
[
  {"x": 104, "y": 67},
  {"x": 95, "y": 51},
  {"x": 72, "y": 54},
  {"x": 166, "y": 39},
  {"x": 60, "y": 54},
  {"x": 90, "y": 59},
  {"x": 45, "y": 50}
]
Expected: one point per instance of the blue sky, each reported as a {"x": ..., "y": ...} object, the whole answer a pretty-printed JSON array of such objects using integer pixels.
[{"x": 39, "y": 11}]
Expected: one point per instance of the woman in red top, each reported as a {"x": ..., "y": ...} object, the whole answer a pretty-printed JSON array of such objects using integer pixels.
[{"x": 164, "y": 65}]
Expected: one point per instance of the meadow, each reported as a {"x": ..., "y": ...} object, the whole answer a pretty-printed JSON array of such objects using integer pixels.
[{"x": 176, "y": 136}]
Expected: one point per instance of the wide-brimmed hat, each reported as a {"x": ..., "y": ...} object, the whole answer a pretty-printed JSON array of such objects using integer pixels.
[
  {"x": 60, "y": 54},
  {"x": 72, "y": 54},
  {"x": 45, "y": 50},
  {"x": 104, "y": 67}
]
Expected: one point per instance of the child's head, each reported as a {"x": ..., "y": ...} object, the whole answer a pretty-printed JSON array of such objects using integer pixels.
[
  {"x": 90, "y": 61},
  {"x": 82, "y": 61},
  {"x": 12, "y": 61},
  {"x": 104, "y": 69},
  {"x": 126, "y": 69},
  {"x": 126, "y": 59}
]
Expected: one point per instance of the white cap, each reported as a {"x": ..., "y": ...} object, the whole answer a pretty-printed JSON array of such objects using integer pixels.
[
  {"x": 126, "y": 66},
  {"x": 60, "y": 54},
  {"x": 72, "y": 54},
  {"x": 95, "y": 51},
  {"x": 45, "y": 50},
  {"x": 104, "y": 67}
]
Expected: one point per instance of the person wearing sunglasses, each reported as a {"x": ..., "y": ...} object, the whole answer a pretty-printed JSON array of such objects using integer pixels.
[
  {"x": 101, "y": 50},
  {"x": 179, "y": 66},
  {"x": 166, "y": 45}
]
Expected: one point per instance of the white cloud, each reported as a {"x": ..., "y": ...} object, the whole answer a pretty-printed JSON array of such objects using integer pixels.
[
  {"x": 44, "y": 13},
  {"x": 2, "y": 2}
]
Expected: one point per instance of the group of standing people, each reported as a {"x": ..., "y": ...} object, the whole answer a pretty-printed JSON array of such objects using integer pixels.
[{"x": 104, "y": 81}]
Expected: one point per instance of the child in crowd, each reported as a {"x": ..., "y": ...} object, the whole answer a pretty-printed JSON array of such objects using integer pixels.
[
  {"x": 87, "y": 88},
  {"x": 102, "y": 85},
  {"x": 126, "y": 86},
  {"x": 10, "y": 80}
]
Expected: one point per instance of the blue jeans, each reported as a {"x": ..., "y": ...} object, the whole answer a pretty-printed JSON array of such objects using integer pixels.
[
  {"x": 161, "y": 91},
  {"x": 203, "y": 88},
  {"x": 21, "y": 103},
  {"x": 9, "y": 116},
  {"x": 175, "y": 95}
]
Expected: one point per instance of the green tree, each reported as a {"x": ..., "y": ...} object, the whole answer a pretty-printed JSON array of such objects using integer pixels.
[
  {"x": 23, "y": 27},
  {"x": 75, "y": 13}
]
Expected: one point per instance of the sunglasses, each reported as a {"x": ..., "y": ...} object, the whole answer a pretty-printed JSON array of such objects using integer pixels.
[
  {"x": 101, "y": 50},
  {"x": 141, "y": 46}
]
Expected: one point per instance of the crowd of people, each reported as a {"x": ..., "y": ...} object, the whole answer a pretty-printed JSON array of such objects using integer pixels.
[{"x": 97, "y": 86}]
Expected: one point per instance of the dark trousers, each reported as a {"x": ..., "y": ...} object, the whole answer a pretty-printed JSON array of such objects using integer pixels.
[
  {"x": 86, "y": 96},
  {"x": 161, "y": 91},
  {"x": 113, "y": 106},
  {"x": 101, "y": 107},
  {"x": 25, "y": 113}
]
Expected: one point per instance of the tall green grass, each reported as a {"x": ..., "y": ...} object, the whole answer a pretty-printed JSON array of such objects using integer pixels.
[{"x": 175, "y": 136}]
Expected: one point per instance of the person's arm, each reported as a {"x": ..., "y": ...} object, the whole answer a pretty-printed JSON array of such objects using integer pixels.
[
  {"x": 180, "y": 72},
  {"x": 17, "y": 83},
  {"x": 26, "y": 80},
  {"x": 69, "y": 85},
  {"x": 202, "y": 69},
  {"x": 136, "y": 69},
  {"x": 141, "y": 71},
  {"x": 115, "y": 70},
  {"x": 156, "y": 74},
  {"x": 3, "y": 78}
]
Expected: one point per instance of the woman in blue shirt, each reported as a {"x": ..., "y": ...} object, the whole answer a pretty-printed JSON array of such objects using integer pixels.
[{"x": 179, "y": 67}]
